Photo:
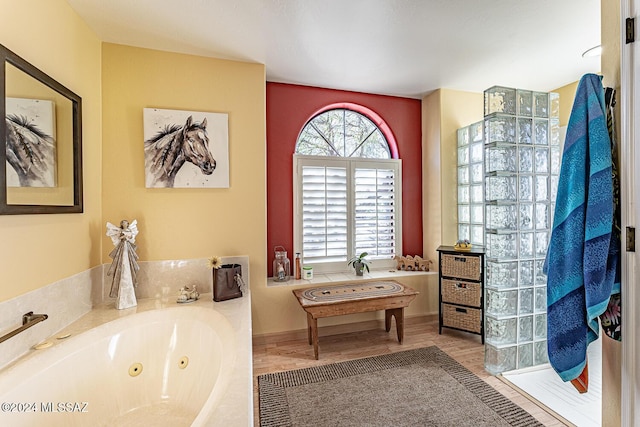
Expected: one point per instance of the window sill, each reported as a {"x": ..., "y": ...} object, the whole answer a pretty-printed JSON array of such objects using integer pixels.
[{"x": 328, "y": 278}]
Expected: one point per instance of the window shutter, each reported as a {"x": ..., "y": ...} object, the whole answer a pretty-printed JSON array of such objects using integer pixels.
[
  {"x": 324, "y": 213},
  {"x": 375, "y": 218}
]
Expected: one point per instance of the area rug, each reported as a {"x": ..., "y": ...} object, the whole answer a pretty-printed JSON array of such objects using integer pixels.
[{"x": 422, "y": 387}]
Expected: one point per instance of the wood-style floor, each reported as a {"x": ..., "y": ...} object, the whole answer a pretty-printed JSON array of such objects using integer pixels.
[{"x": 286, "y": 351}]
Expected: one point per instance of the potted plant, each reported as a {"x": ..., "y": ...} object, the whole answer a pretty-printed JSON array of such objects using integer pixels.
[{"x": 360, "y": 263}]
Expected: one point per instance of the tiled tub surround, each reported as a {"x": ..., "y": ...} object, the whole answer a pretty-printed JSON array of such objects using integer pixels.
[
  {"x": 63, "y": 301},
  {"x": 163, "y": 279},
  {"x": 80, "y": 303},
  {"x": 69, "y": 299}
]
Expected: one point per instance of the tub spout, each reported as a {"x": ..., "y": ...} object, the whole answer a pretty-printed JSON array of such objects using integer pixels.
[{"x": 28, "y": 320}]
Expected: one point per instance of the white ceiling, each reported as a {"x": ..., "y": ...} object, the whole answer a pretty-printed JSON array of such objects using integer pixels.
[{"x": 394, "y": 47}]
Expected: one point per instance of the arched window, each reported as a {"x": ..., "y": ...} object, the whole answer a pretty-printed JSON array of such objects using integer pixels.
[
  {"x": 347, "y": 190},
  {"x": 342, "y": 132}
]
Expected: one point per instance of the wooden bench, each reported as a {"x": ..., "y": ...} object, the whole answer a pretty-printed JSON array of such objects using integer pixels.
[{"x": 336, "y": 300}]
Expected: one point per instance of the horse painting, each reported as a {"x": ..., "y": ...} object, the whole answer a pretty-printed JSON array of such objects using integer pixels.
[
  {"x": 167, "y": 151},
  {"x": 30, "y": 152}
]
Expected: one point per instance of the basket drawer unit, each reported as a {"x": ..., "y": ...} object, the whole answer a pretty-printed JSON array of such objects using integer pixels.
[
  {"x": 461, "y": 266},
  {"x": 465, "y": 318},
  {"x": 464, "y": 293},
  {"x": 461, "y": 290}
]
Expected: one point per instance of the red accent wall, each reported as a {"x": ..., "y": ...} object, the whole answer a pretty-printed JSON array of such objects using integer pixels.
[{"x": 289, "y": 107}]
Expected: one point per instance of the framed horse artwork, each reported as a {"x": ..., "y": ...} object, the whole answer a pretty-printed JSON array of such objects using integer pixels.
[
  {"x": 31, "y": 142},
  {"x": 186, "y": 149}
]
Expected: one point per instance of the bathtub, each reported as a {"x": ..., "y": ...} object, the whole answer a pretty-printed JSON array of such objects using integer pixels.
[{"x": 164, "y": 364}]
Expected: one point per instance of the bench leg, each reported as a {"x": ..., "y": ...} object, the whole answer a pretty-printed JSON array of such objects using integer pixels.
[
  {"x": 398, "y": 313},
  {"x": 309, "y": 323},
  {"x": 313, "y": 333}
]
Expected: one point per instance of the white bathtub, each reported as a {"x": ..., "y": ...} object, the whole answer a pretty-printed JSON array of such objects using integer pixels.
[{"x": 169, "y": 366}]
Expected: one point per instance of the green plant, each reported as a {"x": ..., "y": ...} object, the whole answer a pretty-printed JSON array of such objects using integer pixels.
[{"x": 360, "y": 259}]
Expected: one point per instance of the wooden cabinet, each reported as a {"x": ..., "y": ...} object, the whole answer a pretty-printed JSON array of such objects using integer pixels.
[{"x": 461, "y": 290}]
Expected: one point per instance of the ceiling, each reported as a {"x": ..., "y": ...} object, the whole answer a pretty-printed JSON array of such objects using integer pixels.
[{"x": 394, "y": 47}]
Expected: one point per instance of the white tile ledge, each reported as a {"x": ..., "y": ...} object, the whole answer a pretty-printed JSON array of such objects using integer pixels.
[{"x": 328, "y": 278}]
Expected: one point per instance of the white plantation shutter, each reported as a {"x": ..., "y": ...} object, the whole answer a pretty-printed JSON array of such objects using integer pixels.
[
  {"x": 344, "y": 207},
  {"x": 375, "y": 212},
  {"x": 324, "y": 213}
]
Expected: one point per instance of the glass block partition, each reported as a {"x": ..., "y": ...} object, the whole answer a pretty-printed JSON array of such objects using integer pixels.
[
  {"x": 470, "y": 183},
  {"x": 519, "y": 163},
  {"x": 522, "y": 163}
]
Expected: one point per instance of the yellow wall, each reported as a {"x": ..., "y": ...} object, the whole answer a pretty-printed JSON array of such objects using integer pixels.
[
  {"x": 431, "y": 174},
  {"x": 37, "y": 250},
  {"x": 179, "y": 223},
  {"x": 443, "y": 113}
]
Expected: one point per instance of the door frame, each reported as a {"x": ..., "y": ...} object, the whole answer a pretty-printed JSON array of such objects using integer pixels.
[{"x": 629, "y": 194}]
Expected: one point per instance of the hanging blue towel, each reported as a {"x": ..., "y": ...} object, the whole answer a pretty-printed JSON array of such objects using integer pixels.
[{"x": 579, "y": 276}]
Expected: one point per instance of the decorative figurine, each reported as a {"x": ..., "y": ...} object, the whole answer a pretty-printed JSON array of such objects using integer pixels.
[
  {"x": 462, "y": 245},
  {"x": 188, "y": 295},
  {"x": 409, "y": 263},
  {"x": 399, "y": 261},
  {"x": 423, "y": 264},
  {"x": 124, "y": 267}
]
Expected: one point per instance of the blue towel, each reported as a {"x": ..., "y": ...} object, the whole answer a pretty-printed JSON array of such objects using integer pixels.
[{"x": 580, "y": 277}]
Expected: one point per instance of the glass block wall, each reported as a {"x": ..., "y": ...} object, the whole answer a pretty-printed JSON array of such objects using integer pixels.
[
  {"x": 470, "y": 183},
  {"x": 521, "y": 167}
]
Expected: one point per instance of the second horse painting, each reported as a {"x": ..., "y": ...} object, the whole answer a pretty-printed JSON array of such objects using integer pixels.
[{"x": 186, "y": 149}]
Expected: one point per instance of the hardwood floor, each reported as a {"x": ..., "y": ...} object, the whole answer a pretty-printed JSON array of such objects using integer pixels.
[{"x": 286, "y": 351}]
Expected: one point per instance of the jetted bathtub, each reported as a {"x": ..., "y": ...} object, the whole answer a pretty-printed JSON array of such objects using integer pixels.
[{"x": 163, "y": 367}]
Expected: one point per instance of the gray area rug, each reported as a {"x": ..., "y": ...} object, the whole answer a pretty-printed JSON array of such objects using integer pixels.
[{"x": 422, "y": 387}]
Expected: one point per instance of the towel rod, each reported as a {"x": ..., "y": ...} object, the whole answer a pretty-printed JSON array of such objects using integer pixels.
[{"x": 28, "y": 320}]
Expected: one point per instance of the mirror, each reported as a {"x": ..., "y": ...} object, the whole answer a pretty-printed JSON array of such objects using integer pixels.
[{"x": 40, "y": 141}]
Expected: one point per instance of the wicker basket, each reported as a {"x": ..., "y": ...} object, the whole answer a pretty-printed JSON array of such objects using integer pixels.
[
  {"x": 465, "y": 293},
  {"x": 465, "y": 318},
  {"x": 461, "y": 266}
]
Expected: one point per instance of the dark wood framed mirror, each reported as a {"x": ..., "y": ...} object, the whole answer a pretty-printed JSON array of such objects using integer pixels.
[{"x": 40, "y": 141}]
